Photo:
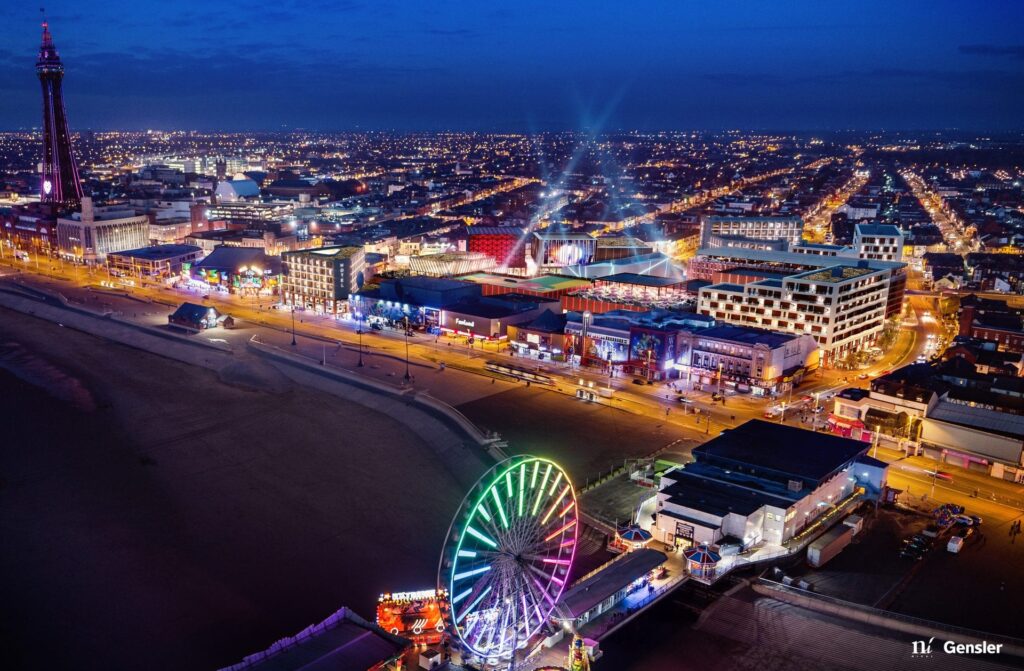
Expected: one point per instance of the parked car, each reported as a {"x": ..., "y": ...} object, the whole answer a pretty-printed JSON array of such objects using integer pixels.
[
  {"x": 955, "y": 544},
  {"x": 637, "y": 380},
  {"x": 921, "y": 543},
  {"x": 963, "y": 521},
  {"x": 977, "y": 520},
  {"x": 915, "y": 555},
  {"x": 931, "y": 531}
]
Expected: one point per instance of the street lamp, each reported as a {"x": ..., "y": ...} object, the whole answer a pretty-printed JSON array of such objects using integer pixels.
[
  {"x": 407, "y": 375},
  {"x": 293, "y": 321},
  {"x": 359, "y": 331}
]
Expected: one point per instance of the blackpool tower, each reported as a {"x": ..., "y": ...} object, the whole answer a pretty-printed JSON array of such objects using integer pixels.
[{"x": 60, "y": 187}]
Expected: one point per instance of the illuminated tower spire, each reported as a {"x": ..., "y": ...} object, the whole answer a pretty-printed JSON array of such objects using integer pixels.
[{"x": 60, "y": 186}]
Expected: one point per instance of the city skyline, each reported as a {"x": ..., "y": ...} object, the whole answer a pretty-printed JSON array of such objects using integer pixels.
[
  {"x": 572, "y": 394},
  {"x": 344, "y": 65}
]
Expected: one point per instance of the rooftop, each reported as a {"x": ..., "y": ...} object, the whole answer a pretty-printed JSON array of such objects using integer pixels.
[
  {"x": 747, "y": 335},
  {"x": 878, "y": 229},
  {"x": 158, "y": 252},
  {"x": 224, "y": 257},
  {"x": 588, "y": 593},
  {"x": 539, "y": 284},
  {"x": 342, "y": 642},
  {"x": 834, "y": 274},
  {"x": 642, "y": 280},
  {"x": 786, "y": 450},
  {"x": 342, "y": 252},
  {"x": 790, "y": 258}
]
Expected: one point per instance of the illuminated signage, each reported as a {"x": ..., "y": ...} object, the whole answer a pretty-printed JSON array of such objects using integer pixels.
[
  {"x": 410, "y": 596},
  {"x": 464, "y": 322}
]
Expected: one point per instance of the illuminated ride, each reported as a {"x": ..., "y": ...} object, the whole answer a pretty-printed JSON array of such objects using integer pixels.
[
  {"x": 508, "y": 555},
  {"x": 413, "y": 615}
]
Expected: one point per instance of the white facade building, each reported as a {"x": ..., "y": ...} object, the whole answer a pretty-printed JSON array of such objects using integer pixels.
[
  {"x": 842, "y": 307},
  {"x": 718, "y": 231},
  {"x": 878, "y": 242},
  {"x": 94, "y": 232}
]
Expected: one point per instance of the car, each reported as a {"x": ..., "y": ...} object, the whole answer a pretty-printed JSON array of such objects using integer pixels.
[
  {"x": 963, "y": 521},
  {"x": 931, "y": 531},
  {"x": 770, "y": 415},
  {"x": 376, "y": 327},
  {"x": 977, "y": 520},
  {"x": 863, "y": 376},
  {"x": 637, "y": 380},
  {"x": 684, "y": 400},
  {"x": 941, "y": 475},
  {"x": 911, "y": 554}
]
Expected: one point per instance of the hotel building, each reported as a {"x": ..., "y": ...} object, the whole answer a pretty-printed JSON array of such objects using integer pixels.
[
  {"x": 843, "y": 307},
  {"x": 322, "y": 279}
]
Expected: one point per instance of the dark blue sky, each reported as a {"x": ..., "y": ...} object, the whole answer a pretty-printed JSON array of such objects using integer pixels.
[{"x": 565, "y": 64}]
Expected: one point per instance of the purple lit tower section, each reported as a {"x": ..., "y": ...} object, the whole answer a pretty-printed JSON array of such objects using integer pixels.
[{"x": 60, "y": 185}]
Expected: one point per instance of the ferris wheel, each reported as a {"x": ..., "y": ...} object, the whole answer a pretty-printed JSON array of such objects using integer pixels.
[{"x": 508, "y": 555}]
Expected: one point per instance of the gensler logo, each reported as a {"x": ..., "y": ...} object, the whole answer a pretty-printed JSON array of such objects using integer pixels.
[{"x": 924, "y": 648}]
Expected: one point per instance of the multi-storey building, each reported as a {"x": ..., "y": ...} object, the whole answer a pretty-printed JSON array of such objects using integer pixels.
[
  {"x": 749, "y": 359},
  {"x": 755, "y": 232},
  {"x": 93, "y": 233},
  {"x": 713, "y": 264},
  {"x": 322, "y": 279},
  {"x": 882, "y": 242},
  {"x": 842, "y": 307}
]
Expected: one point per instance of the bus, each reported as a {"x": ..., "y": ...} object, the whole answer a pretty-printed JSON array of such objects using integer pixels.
[{"x": 518, "y": 372}]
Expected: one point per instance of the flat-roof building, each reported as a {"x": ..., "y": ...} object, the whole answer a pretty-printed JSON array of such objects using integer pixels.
[
  {"x": 761, "y": 483},
  {"x": 155, "y": 261},
  {"x": 843, "y": 307},
  {"x": 322, "y": 279}
]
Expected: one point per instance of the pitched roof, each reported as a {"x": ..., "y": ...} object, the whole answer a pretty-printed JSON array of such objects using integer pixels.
[{"x": 342, "y": 642}]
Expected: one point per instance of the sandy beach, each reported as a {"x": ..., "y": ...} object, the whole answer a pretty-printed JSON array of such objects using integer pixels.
[{"x": 183, "y": 522}]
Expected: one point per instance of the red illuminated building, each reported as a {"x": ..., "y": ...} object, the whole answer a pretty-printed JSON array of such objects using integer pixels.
[{"x": 502, "y": 243}]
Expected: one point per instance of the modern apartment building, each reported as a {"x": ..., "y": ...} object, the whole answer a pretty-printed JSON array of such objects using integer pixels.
[
  {"x": 842, "y": 306},
  {"x": 882, "y": 242},
  {"x": 322, "y": 279},
  {"x": 753, "y": 232},
  {"x": 714, "y": 265}
]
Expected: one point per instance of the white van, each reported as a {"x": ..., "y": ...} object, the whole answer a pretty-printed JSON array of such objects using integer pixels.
[{"x": 955, "y": 544}]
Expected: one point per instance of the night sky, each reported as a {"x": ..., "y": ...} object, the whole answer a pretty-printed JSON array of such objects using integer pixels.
[{"x": 524, "y": 66}]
